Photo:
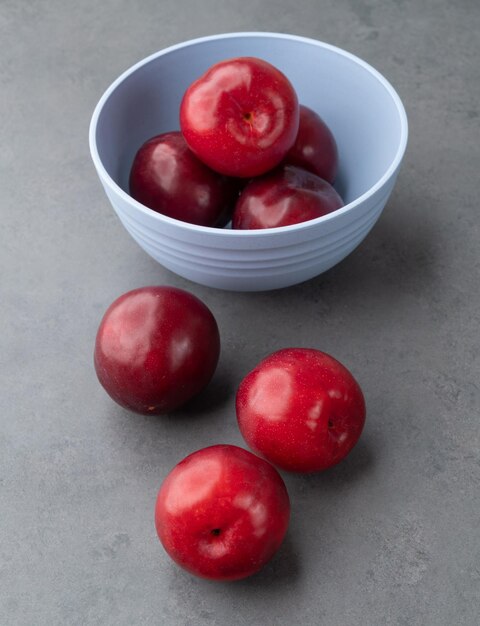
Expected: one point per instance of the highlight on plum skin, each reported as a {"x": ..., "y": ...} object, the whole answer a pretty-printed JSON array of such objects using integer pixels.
[{"x": 222, "y": 513}]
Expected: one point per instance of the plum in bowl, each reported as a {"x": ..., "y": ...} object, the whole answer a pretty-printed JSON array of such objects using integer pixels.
[{"x": 358, "y": 104}]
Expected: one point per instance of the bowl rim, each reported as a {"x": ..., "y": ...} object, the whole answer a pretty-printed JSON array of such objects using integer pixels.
[{"x": 264, "y": 232}]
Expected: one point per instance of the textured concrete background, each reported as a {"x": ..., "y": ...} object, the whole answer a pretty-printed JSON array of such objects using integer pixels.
[{"x": 388, "y": 537}]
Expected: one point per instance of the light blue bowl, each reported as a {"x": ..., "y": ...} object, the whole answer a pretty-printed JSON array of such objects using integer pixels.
[{"x": 359, "y": 105}]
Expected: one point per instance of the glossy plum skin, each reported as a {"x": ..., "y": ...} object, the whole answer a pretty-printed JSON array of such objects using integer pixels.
[
  {"x": 168, "y": 178},
  {"x": 301, "y": 410},
  {"x": 315, "y": 148},
  {"x": 288, "y": 195},
  {"x": 222, "y": 513},
  {"x": 156, "y": 347},
  {"x": 240, "y": 117}
]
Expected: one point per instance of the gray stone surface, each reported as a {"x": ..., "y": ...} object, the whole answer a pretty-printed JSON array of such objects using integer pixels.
[{"x": 391, "y": 536}]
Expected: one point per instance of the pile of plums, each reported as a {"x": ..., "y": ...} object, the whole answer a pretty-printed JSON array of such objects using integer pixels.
[
  {"x": 222, "y": 512},
  {"x": 246, "y": 152}
]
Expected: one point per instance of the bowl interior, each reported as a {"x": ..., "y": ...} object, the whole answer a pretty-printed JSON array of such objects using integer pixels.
[{"x": 354, "y": 100}]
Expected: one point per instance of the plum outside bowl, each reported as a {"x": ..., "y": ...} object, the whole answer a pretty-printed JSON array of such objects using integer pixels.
[{"x": 359, "y": 105}]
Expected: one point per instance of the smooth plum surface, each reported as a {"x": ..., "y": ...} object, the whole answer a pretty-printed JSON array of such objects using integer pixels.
[
  {"x": 300, "y": 409},
  {"x": 167, "y": 177},
  {"x": 156, "y": 348},
  {"x": 222, "y": 513},
  {"x": 240, "y": 117},
  {"x": 288, "y": 195},
  {"x": 315, "y": 148}
]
